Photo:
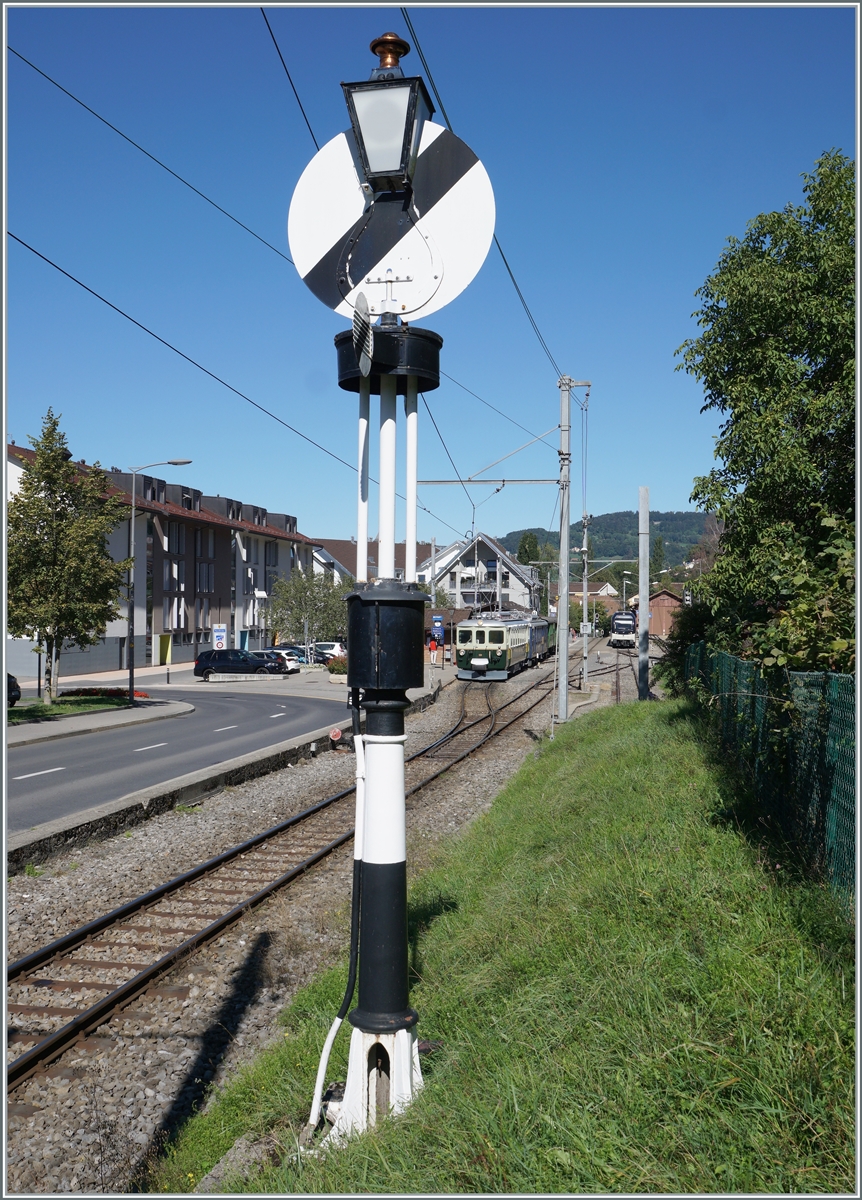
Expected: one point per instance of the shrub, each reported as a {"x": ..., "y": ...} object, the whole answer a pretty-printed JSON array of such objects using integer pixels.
[
  {"x": 114, "y": 693},
  {"x": 337, "y": 666}
]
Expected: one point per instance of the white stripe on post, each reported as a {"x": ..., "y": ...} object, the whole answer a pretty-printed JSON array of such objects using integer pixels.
[
  {"x": 385, "y": 836},
  {"x": 386, "y": 555},
  {"x": 362, "y": 487},
  {"x": 411, "y": 413}
]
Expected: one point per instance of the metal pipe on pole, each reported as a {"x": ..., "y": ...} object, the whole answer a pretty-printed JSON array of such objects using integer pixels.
[
  {"x": 362, "y": 487},
  {"x": 386, "y": 556},
  {"x": 565, "y": 386},
  {"x": 643, "y": 594},
  {"x": 412, "y": 418}
]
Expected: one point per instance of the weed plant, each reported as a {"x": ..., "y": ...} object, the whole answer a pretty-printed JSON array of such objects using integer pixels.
[{"x": 631, "y": 998}]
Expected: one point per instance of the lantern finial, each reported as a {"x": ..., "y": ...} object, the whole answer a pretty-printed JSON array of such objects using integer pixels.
[{"x": 390, "y": 49}]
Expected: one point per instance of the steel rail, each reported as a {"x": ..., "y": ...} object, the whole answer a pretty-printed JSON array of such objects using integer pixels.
[
  {"x": 26, "y": 1064},
  {"x": 90, "y": 1018}
]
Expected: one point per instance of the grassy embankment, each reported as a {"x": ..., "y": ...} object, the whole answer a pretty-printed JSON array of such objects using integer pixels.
[
  {"x": 71, "y": 706},
  {"x": 632, "y": 997}
]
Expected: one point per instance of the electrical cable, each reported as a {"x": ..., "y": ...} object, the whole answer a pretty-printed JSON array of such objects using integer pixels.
[
  {"x": 530, "y": 316},
  {"x": 152, "y": 157},
  {"x": 446, "y": 448},
  {"x": 289, "y": 80},
  {"x": 499, "y": 412},
  {"x": 217, "y": 206},
  {"x": 206, "y": 371}
]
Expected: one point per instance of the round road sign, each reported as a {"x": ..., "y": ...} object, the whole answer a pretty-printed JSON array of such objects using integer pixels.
[{"x": 407, "y": 259}]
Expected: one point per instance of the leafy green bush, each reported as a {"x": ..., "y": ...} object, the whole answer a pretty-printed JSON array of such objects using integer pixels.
[{"x": 337, "y": 666}]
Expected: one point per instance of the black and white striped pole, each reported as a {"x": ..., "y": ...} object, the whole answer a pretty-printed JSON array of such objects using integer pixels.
[{"x": 389, "y": 222}]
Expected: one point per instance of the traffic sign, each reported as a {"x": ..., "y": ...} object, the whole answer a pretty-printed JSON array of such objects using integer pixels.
[
  {"x": 219, "y": 637},
  {"x": 409, "y": 259}
]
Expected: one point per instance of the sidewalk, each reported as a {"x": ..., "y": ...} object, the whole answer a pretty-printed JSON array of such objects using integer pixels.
[{"x": 61, "y": 727}]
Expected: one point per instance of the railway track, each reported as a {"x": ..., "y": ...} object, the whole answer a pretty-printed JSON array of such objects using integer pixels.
[{"x": 61, "y": 993}]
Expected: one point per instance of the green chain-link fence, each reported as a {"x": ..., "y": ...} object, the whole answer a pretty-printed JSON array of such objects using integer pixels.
[{"x": 799, "y": 746}]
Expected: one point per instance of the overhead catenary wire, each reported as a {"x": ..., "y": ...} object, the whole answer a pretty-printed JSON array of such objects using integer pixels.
[
  {"x": 289, "y": 80},
  {"x": 205, "y": 370},
  {"x": 530, "y": 317},
  {"x": 150, "y": 156}
]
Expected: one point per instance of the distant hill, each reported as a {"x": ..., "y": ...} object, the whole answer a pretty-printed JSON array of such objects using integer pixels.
[{"x": 615, "y": 535}]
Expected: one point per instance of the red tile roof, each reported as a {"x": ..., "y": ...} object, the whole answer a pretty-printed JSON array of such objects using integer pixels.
[{"x": 204, "y": 516}]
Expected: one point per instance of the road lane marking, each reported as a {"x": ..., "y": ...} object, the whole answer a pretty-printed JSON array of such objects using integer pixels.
[
  {"x": 33, "y": 774},
  {"x": 224, "y": 727},
  {"x": 155, "y": 747},
  {"x": 271, "y": 715}
]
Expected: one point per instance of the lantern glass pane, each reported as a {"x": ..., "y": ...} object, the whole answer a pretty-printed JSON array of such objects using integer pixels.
[{"x": 382, "y": 116}]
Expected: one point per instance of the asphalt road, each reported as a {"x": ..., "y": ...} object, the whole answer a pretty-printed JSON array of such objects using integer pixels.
[{"x": 59, "y": 778}]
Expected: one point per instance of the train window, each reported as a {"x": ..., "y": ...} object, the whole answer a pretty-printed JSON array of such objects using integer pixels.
[
  {"x": 465, "y": 636},
  {"x": 496, "y": 636},
  {"x": 480, "y": 637}
]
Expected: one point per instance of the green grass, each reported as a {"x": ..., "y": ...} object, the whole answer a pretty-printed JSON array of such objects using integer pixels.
[
  {"x": 631, "y": 998},
  {"x": 70, "y": 707}
]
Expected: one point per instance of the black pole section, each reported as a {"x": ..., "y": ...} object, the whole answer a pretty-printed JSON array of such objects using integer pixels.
[{"x": 385, "y": 657}]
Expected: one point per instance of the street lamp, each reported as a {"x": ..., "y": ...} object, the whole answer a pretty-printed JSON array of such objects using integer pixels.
[
  {"x": 171, "y": 462},
  {"x": 625, "y": 581},
  {"x": 387, "y": 113}
]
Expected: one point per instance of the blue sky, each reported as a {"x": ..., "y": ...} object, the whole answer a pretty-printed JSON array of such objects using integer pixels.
[{"x": 624, "y": 144}]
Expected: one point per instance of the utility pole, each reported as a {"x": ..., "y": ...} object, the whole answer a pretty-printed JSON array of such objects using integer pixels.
[
  {"x": 643, "y": 594},
  {"x": 565, "y": 385},
  {"x": 585, "y": 605}
]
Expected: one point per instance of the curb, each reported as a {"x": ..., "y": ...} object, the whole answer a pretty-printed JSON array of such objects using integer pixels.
[
  {"x": 181, "y": 708},
  {"x": 105, "y": 820}
]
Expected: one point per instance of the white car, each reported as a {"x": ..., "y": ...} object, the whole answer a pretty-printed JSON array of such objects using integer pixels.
[
  {"x": 331, "y": 649},
  {"x": 290, "y": 660}
]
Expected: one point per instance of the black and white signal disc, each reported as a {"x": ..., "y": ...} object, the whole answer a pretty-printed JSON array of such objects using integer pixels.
[{"x": 410, "y": 260}]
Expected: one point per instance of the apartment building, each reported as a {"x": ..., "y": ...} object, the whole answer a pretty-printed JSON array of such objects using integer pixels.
[{"x": 200, "y": 561}]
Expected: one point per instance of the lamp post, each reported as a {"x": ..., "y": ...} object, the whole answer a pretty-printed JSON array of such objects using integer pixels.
[
  {"x": 625, "y": 581},
  {"x": 170, "y": 462}
]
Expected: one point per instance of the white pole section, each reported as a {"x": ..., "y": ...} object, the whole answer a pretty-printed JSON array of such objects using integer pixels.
[
  {"x": 643, "y": 594},
  {"x": 362, "y": 491},
  {"x": 386, "y": 567},
  {"x": 411, "y": 413},
  {"x": 565, "y": 386}
]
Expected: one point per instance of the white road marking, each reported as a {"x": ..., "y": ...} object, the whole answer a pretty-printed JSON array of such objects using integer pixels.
[
  {"x": 32, "y": 774},
  {"x": 155, "y": 747},
  {"x": 271, "y": 715},
  {"x": 224, "y": 727}
]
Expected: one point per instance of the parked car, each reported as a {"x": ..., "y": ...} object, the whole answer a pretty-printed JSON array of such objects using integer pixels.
[
  {"x": 233, "y": 662},
  {"x": 331, "y": 649},
  {"x": 285, "y": 665},
  {"x": 288, "y": 657},
  {"x": 317, "y": 656},
  {"x": 13, "y": 691}
]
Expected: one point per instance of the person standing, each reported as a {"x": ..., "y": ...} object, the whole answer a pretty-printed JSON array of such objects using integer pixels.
[{"x": 432, "y": 647}]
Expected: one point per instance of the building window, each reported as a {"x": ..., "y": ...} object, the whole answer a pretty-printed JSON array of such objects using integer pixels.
[
  {"x": 181, "y": 575},
  {"x": 166, "y": 575},
  {"x": 452, "y": 579},
  {"x": 270, "y": 554},
  {"x": 198, "y": 543},
  {"x": 210, "y": 543},
  {"x": 176, "y": 538},
  {"x": 505, "y": 580}
]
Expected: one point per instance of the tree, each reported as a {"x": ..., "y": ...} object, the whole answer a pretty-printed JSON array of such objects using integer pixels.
[
  {"x": 442, "y": 599},
  {"x": 314, "y": 597},
  {"x": 528, "y": 548},
  {"x": 777, "y": 361},
  {"x": 63, "y": 584},
  {"x": 657, "y": 560}
]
